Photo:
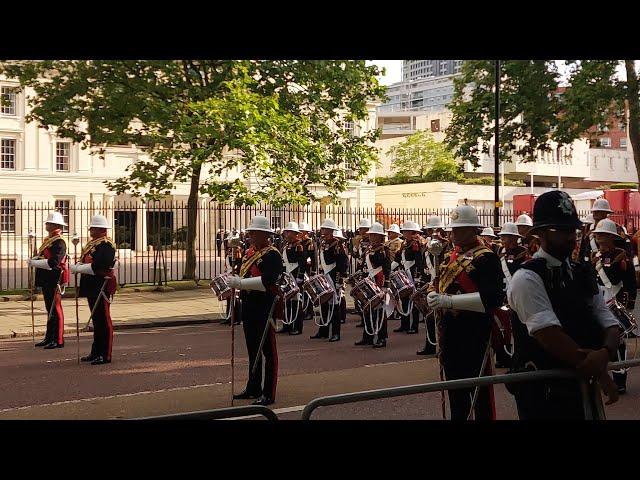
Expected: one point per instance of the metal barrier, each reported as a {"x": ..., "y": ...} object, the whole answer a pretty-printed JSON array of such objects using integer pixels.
[
  {"x": 590, "y": 412},
  {"x": 218, "y": 414}
]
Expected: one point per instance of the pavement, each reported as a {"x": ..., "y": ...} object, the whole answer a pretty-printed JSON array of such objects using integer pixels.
[{"x": 130, "y": 309}]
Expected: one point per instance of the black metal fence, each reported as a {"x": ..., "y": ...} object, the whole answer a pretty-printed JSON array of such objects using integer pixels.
[{"x": 152, "y": 237}]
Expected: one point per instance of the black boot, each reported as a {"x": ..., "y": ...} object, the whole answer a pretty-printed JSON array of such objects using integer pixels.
[
  {"x": 264, "y": 400},
  {"x": 89, "y": 358},
  {"x": 335, "y": 338},
  {"x": 43, "y": 343},
  {"x": 364, "y": 341},
  {"x": 53, "y": 345},
  {"x": 428, "y": 350},
  {"x": 245, "y": 395},
  {"x": 100, "y": 360},
  {"x": 380, "y": 343}
]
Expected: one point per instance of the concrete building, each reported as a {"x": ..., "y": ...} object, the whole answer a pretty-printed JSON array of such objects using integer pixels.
[
  {"x": 37, "y": 167},
  {"x": 417, "y": 69}
]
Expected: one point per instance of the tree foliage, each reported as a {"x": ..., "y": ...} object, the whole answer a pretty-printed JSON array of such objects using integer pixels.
[{"x": 422, "y": 156}]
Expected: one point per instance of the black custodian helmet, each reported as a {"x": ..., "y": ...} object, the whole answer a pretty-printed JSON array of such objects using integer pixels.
[{"x": 555, "y": 209}]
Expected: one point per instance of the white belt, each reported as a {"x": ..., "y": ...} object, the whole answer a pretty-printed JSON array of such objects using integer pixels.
[
  {"x": 326, "y": 268},
  {"x": 505, "y": 270},
  {"x": 372, "y": 271},
  {"x": 430, "y": 267}
]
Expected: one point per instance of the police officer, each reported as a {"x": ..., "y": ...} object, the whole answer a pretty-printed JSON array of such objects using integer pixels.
[
  {"x": 531, "y": 242},
  {"x": 98, "y": 284},
  {"x": 560, "y": 318},
  {"x": 295, "y": 263},
  {"x": 411, "y": 259},
  {"x": 617, "y": 281},
  {"x": 601, "y": 210},
  {"x": 470, "y": 286},
  {"x": 333, "y": 264},
  {"x": 261, "y": 267},
  {"x": 52, "y": 273},
  {"x": 377, "y": 259}
]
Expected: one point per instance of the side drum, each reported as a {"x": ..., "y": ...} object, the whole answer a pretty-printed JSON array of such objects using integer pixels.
[
  {"x": 220, "y": 287},
  {"x": 367, "y": 293},
  {"x": 319, "y": 289},
  {"x": 401, "y": 285},
  {"x": 287, "y": 286},
  {"x": 419, "y": 298}
]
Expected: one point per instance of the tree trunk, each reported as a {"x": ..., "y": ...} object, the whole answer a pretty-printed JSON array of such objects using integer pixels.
[
  {"x": 192, "y": 223},
  {"x": 634, "y": 111}
]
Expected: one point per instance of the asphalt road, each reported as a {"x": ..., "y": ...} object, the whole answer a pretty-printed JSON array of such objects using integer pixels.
[{"x": 179, "y": 369}]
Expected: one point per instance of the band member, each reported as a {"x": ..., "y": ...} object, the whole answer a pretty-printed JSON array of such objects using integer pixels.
[
  {"x": 295, "y": 263},
  {"x": 98, "y": 284},
  {"x": 617, "y": 281},
  {"x": 489, "y": 238},
  {"x": 261, "y": 267},
  {"x": 560, "y": 318},
  {"x": 360, "y": 244},
  {"x": 52, "y": 273},
  {"x": 333, "y": 264},
  {"x": 470, "y": 285},
  {"x": 341, "y": 294},
  {"x": 512, "y": 256},
  {"x": 395, "y": 243},
  {"x": 233, "y": 261},
  {"x": 411, "y": 259},
  {"x": 531, "y": 242},
  {"x": 601, "y": 210},
  {"x": 378, "y": 264}
]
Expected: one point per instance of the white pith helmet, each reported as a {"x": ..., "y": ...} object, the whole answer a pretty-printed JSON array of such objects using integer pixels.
[
  {"x": 330, "y": 224},
  {"x": 394, "y": 228},
  {"x": 291, "y": 227},
  {"x": 607, "y": 226},
  {"x": 464, "y": 216},
  {"x": 587, "y": 219},
  {"x": 488, "y": 232},
  {"x": 99, "y": 221},
  {"x": 260, "y": 223},
  {"x": 55, "y": 217},
  {"x": 364, "y": 223},
  {"x": 434, "y": 222},
  {"x": 410, "y": 226},
  {"x": 524, "y": 219},
  {"x": 377, "y": 228},
  {"x": 304, "y": 227},
  {"x": 337, "y": 233},
  {"x": 509, "y": 228},
  {"x": 601, "y": 205}
]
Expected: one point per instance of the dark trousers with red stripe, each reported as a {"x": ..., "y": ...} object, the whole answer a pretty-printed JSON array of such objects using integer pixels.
[
  {"x": 55, "y": 323},
  {"x": 102, "y": 327},
  {"x": 253, "y": 324}
]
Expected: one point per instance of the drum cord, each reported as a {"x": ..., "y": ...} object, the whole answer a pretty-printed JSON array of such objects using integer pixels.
[
  {"x": 290, "y": 320},
  {"x": 322, "y": 323},
  {"x": 399, "y": 307},
  {"x": 378, "y": 323},
  {"x": 426, "y": 326}
]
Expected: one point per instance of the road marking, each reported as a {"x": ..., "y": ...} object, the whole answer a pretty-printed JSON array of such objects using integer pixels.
[{"x": 122, "y": 395}]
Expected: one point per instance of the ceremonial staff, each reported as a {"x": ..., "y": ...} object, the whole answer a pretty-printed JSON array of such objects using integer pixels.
[
  {"x": 435, "y": 248},
  {"x": 75, "y": 242},
  {"x": 232, "y": 307},
  {"x": 32, "y": 238}
]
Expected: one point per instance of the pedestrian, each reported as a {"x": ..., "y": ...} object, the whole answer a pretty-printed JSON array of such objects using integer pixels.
[
  {"x": 560, "y": 318},
  {"x": 52, "y": 274},
  {"x": 98, "y": 284},
  {"x": 261, "y": 267}
]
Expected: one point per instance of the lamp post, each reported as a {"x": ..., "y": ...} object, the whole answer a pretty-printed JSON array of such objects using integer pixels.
[{"x": 497, "y": 204}]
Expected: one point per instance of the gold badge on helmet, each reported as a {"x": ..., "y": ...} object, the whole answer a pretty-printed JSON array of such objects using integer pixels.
[{"x": 454, "y": 215}]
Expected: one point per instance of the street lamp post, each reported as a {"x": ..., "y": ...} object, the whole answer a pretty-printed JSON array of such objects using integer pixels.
[{"x": 496, "y": 210}]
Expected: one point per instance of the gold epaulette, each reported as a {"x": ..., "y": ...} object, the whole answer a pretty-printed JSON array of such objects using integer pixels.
[
  {"x": 47, "y": 242},
  {"x": 91, "y": 246}
]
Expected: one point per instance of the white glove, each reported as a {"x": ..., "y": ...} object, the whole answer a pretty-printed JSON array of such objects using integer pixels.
[
  {"x": 40, "y": 263},
  {"x": 252, "y": 283},
  {"x": 82, "y": 268},
  {"x": 435, "y": 300},
  {"x": 234, "y": 281}
]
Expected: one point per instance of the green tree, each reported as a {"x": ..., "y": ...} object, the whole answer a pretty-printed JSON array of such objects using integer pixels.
[
  {"x": 421, "y": 155},
  {"x": 532, "y": 111},
  {"x": 286, "y": 119}
]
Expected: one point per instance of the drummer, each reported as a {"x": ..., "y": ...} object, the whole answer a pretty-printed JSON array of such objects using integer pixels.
[
  {"x": 232, "y": 263},
  {"x": 333, "y": 264},
  {"x": 410, "y": 259},
  {"x": 294, "y": 259},
  {"x": 361, "y": 244},
  {"x": 616, "y": 279},
  {"x": 311, "y": 261},
  {"x": 378, "y": 262},
  {"x": 489, "y": 239}
]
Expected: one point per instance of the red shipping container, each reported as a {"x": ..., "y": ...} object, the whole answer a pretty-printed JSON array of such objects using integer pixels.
[{"x": 523, "y": 204}]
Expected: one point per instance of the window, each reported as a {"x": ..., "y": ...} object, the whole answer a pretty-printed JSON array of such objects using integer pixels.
[
  {"x": 605, "y": 142},
  {"x": 457, "y": 66},
  {"x": 622, "y": 126},
  {"x": 62, "y": 206},
  {"x": 8, "y": 101},
  {"x": 63, "y": 155},
  {"x": 349, "y": 127},
  {"x": 7, "y": 215},
  {"x": 8, "y": 154},
  {"x": 623, "y": 143},
  {"x": 435, "y": 125}
]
